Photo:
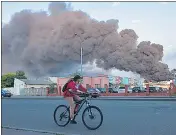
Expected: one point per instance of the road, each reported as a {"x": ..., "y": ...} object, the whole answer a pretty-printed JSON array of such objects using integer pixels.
[{"x": 120, "y": 117}]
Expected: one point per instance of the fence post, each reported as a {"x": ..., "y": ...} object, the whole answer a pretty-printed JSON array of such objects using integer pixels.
[
  {"x": 147, "y": 89},
  {"x": 126, "y": 90},
  {"x": 107, "y": 90},
  {"x": 59, "y": 91},
  {"x": 47, "y": 91},
  {"x": 55, "y": 91},
  {"x": 172, "y": 89}
]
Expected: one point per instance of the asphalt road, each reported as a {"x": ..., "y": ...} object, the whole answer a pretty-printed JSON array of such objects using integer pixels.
[{"x": 120, "y": 117}]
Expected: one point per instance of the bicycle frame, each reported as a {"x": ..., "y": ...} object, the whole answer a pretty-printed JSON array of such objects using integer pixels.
[{"x": 81, "y": 105}]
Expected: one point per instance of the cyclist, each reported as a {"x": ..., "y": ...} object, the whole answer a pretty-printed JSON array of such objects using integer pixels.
[{"x": 73, "y": 86}]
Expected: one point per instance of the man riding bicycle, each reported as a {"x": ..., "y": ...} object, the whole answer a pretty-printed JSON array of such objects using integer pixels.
[{"x": 72, "y": 87}]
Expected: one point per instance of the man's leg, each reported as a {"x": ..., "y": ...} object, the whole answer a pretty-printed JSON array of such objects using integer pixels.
[
  {"x": 72, "y": 107},
  {"x": 77, "y": 98}
]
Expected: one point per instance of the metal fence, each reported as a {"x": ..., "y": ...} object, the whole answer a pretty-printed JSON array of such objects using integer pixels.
[{"x": 33, "y": 91}]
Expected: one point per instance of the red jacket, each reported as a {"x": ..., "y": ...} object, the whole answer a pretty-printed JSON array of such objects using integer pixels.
[{"x": 72, "y": 85}]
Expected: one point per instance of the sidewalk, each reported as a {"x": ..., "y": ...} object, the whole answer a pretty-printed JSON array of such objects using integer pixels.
[
  {"x": 132, "y": 98},
  {"x": 23, "y": 131},
  {"x": 20, "y": 132}
]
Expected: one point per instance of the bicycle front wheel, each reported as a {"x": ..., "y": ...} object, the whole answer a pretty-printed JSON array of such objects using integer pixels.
[
  {"x": 92, "y": 113},
  {"x": 62, "y": 115}
]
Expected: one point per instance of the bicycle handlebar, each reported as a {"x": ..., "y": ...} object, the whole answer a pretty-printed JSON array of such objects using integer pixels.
[{"x": 84, "y": 94}]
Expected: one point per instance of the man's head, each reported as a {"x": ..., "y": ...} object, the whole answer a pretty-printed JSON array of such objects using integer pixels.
[{"x": 77, "y": 79}]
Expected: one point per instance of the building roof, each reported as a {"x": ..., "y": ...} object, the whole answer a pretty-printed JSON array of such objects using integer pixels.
[{"x": 36, "y": 82}]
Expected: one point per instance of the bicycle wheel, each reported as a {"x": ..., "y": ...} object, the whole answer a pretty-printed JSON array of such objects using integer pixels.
[
  {"x": 62, "y": 113},
  {"x": 92, "y": 116}
]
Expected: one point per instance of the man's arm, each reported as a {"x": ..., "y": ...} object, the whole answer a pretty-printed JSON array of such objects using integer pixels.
[
  {"x": 75, "y": 92},
  {"x": 81, "y": 88},
  {"x": 73, "y": 89}
]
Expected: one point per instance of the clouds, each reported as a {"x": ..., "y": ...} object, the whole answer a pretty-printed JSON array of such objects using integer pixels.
[
  {"x": 136, "y": 21},
  {"x": 54, "y": 46}
]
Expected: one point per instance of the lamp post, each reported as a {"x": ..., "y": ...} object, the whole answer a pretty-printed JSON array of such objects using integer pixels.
[
  {"x": 81, "y": 59},
  {"x": 81, "y": 54}
]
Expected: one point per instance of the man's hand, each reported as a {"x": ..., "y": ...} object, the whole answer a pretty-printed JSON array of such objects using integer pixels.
[
  {"x": 70, "y": 90},
  {"x": 80, "y": 91}
]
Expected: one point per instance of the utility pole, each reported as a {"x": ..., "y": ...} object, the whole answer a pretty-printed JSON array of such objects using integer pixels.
[
  {"x": 81, "y": 55},
  {"x": 81, "y": 60}
]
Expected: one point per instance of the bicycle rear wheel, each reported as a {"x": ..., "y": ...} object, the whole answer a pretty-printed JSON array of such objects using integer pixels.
[
  {"x": 62, "y": 115},
  {"x": 92, "y": 116}
]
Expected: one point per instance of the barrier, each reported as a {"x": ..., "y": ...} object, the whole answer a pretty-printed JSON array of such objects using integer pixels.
[
  {"x": 33, "y": 92},
  {"x": 170, "y": 92}
]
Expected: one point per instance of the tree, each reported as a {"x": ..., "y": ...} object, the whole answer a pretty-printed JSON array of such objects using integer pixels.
[
  {"x": 20, "y": 75},
  {"x": 52, "y": 87},
  {"x": 8, "y": 80}
]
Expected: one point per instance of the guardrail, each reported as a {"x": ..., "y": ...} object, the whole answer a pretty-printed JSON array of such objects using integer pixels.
[
  {"x": 170, "y": 92},
  {"x": 33, "y": 92},
  {"x": 58, "y": 92}
]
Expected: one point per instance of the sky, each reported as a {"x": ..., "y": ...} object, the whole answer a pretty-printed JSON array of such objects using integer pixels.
[{"x": 152, "y": 21}]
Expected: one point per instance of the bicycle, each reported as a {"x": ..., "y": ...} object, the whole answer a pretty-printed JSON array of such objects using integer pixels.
[{"x": 79, "y": 105}]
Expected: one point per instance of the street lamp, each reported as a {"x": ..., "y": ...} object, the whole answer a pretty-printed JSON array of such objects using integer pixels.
[
  {"x": 81, "y": 53},
  {"x": 81, "y": 59}
]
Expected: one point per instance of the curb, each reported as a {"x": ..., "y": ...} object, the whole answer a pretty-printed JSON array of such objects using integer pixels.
[
  {"x": 172, "y": 98},
  {"x": 37, "y": 131}
]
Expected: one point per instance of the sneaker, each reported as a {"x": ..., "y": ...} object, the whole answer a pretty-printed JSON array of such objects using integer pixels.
[{"x": 73, "y": 122}]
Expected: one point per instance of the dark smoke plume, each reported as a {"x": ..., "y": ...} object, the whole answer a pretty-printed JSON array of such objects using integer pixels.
[{"x": 43, "y": 44}]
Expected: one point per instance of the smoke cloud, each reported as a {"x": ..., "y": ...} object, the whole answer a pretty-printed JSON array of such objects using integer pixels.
[{"x": 43, "y": 44}]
